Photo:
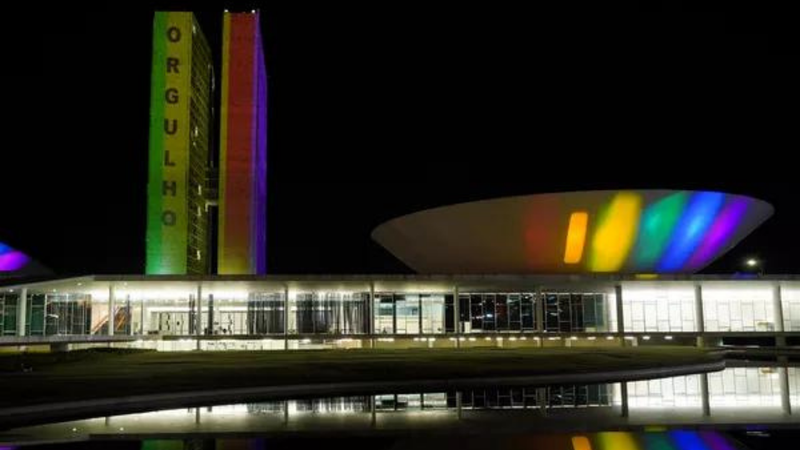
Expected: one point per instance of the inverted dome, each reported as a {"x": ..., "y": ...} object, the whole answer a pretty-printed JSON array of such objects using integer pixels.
[{"x": 636, "y": 231}]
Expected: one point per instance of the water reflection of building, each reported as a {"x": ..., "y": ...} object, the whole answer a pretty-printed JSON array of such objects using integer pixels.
[{"x": 737, "y": 395}]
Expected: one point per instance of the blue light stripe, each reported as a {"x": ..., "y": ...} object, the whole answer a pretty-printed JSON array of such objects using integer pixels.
[
  {"x": 692, "y": 226},
  {"x": 687, "y": 440}
]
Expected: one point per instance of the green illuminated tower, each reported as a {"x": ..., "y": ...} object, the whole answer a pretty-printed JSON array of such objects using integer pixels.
[{"x": 178, "y": 194}]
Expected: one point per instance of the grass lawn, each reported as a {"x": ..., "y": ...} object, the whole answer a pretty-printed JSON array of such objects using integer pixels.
[{"x": 105, "y": 373}]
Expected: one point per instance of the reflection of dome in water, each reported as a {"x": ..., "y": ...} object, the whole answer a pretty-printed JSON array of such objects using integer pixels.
[{"x": 636, "y": 231}]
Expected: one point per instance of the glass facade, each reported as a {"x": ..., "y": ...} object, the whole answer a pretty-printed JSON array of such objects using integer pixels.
[
  {"x": 680, "y": 392},
  {"x": 520, "y": 311},
  {"x": 48, "y": 314},
  {"x": 790, "y": 296},
  {"x": 265, "y": 313},
  {"x": 409, "y": 313},
  {"x": 8, "y": 314},
  {"x": 331, "y": 310},
  {"x": 659, "y": 308},
  {"x": 793, "y": 373},
  {"x": 745, "y": 387},
  {"x": 745, "y": 308},
  {"x": 328, "y": 313}
]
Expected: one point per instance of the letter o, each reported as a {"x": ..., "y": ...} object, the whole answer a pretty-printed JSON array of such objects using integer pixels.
[
  {"x": 174, "y": 34},
  {"x": 169, "y": 218}
]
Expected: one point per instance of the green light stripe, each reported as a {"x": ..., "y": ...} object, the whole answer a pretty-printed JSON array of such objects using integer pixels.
[
  {"x": 658, "y": 221},
  {"x": 156, "y": 153}
]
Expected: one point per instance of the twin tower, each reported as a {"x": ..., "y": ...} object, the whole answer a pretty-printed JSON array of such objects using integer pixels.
[{"x": 206, "y": 196}]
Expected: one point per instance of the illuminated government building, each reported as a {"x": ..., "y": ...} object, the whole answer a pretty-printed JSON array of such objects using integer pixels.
[{"x": 561, "y": 269}]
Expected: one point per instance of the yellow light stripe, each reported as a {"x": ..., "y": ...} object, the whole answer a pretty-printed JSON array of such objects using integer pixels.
[
  {"x": 617, "y": 440},
  {"x": 576, "y": 237},
  {"x": 616, "y": 232},
  {"x": 581, "y": 443},
  {"x": 646, "y": 276}
]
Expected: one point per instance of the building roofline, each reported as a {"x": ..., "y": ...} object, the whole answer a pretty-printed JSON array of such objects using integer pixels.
[{"x": 411, "y": 278}]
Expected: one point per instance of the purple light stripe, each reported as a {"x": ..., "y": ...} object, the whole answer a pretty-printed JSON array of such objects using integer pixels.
[
  {"x": 721, "y": 232},
  {"x": 13, "y": 260},
  {"x": 260, "y": 196},
  {"x": 715, "y": 440}
]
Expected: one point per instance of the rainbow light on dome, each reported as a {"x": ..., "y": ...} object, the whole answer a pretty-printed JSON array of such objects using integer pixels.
[
  {"x": 617, "y": 440},
  {"x": 658, "y": 221},
  {"x": 721, "y": 232},
  {"x": 581, "y": 443},
  {"x": 10, "y": 259},
  {"x": 687, "y": 440},
  {"x": 616, "y": 232},
  {"x": 690, "y": 229},
  {"x": 715, "y": 440},
  {"x": 657, "y": 441},
  {"x": 673, "y": 232},
  {"x": 576, "y": 237}
]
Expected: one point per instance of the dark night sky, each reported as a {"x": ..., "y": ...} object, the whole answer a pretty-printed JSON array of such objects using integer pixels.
[{"x": 377, "y": 112}]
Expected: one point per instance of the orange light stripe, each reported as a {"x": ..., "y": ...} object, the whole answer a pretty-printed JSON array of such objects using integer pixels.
[
  {"x": 581, "y": 443},
  {"x": 576, "y": 237}
]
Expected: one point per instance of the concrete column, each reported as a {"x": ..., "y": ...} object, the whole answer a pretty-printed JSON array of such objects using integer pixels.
[
  {"x": 620, "y": 315},
  {"x": 419, "y": 300},
  {"x": 777, "y": 301},
  {"x": 371, "y": 309},
  {"x": 394, "y": 314},
  {"x": 129, "y": 319},
  {"x": 141, "y": 318},
  {"x": 198, "y": 323},
  {"x": 22, "y": 311},
  {"x": 371, "y": 320},
  {"x": 373, "y": 418},
  {"x": 704, "y": 395},
  {"x": 540, "y": 309},
  {"x": 457, "y": 318},
  {"x": 286, "y": 317},
  {"x": 458, "y": 404},
  {"x": 786, "y": 405},
  {"x": 111, "y": 309},
  {"x": 541, "y": 399},
  {"x": 699, "y": 316},
  {"x": 210, "y": 323},
  {"x": 624, "y": 394}
]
